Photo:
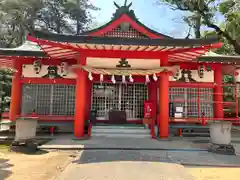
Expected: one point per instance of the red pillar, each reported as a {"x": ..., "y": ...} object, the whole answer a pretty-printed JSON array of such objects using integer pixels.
[
  {"x": 80, "y": 102},
  {"x": 218, "y": 93},
  {"x": 16, "y": 93},
  {"x": 152, "y": 96},
  {"x": 164, "y": 104}
]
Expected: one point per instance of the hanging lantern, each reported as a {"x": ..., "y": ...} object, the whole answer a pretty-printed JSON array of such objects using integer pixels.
[
  {"x": 155, "y": 78},
  {"x": 90, "y": 77},
  {"x": 101, "y": 78},
  {"x": 64, "y": 68},
  {"x": 113, "y": 79},
  {"x": 131, "y": 78},
  {"x": 201, "y": 70},
  {"x": 123, "y": 79},
  {"x": 147, "y": 79},
  {"x": 176, "y": 74},
  {"x": 37, "y": 66}
]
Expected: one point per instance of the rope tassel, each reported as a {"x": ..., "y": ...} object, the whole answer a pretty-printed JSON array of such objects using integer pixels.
[
  {"x": 147, "y": 79},
  {"x": 131, "y": 78},
  {"x": 101, "y": 77},
  {"x": 90, "y": 77},
  {"x": 155, "y": 78},
  {"x": 124, "y": 79},
  {"x": 113, "y": 79}
]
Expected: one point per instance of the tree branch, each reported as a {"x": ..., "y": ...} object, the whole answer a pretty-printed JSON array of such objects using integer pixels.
[{"x": 220, "y": 32}]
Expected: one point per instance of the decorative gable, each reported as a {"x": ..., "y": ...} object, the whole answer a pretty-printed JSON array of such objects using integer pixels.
[
  {"x": 123, "y": 32},
  {"x": 124, "y": 24}
]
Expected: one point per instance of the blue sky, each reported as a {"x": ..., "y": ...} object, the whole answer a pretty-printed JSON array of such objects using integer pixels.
[{"x": 157, "y": 17}]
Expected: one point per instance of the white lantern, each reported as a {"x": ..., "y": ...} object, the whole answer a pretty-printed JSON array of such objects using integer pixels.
[
  {"x": 201, "y": 70},
  {"x": 64, "y": 68},
  {"x": 37, "y": 66}
]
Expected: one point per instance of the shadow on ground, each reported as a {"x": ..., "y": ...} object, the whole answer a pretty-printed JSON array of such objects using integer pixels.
[
  {"x": 4, "y": 165},
  {"x": 98, "y": 156},
  {"x": 178, "y": 157}
]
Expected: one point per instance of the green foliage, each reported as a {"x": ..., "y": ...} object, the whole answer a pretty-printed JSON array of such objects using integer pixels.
[
  {"x": 17, "y": 17},
  {"x": 207, "y": 10},
  {"x": 5, "y": 89}
]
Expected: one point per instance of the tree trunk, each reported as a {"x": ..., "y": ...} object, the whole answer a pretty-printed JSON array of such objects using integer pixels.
[
  {"x": 78, "y": 19},
  {"x": 225, "y": 34},
  {"x": 197, "y": 26}
]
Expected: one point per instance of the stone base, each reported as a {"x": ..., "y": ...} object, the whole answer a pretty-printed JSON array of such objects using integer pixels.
[
  {"x": 222, "y": 149},
  {"x": 25, "y": 129}
]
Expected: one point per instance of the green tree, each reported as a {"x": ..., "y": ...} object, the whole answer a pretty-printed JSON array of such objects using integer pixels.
[
  {"x": 206, "y": 9},
  {"x": 79, "y": 13},
  {"x": 5, "y": 90},
  {"x": 17, "y": 17},
  {"x": 59, "y": 16}
]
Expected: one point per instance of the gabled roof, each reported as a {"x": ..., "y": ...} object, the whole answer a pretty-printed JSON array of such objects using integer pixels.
[
  {"x": 212, "y": 57},
  {"x": 123, "y": 14},
  {"x": 137, "y": 25},
  {"x": 28, "y": 49},
  {"x": 69, "y": 46}
]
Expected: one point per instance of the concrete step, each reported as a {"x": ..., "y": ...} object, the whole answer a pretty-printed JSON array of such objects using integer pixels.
[
  {"x": 118, "y": 127},
  {"x": 122, "y": 135},
  {"x": 121, "y": 131}
]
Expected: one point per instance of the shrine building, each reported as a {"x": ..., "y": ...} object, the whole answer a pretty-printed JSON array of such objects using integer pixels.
[{"x": 119, "y": 67}]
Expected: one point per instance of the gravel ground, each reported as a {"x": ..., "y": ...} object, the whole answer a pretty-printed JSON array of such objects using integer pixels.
[
  {"x": 43, "y": 166},
  {"x": 205, "y": 173}
]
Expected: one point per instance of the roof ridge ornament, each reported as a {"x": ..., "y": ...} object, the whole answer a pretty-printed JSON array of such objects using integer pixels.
[
  {"x": 125, "y": 5},
  {"x": 125, "y": 9}
]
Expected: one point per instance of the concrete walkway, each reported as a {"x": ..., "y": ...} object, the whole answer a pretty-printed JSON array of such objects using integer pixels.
[
  {"x": 68, "y": 142},
  {"x": 186, "y": 151},
  {"x": 135, "y": 165}
]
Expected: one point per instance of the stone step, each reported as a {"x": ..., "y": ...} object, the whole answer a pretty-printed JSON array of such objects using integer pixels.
[
  {"x": 121, "y": 135},
  {"x": 121, "y": 131},
  {"x": 118, "y": 127}
]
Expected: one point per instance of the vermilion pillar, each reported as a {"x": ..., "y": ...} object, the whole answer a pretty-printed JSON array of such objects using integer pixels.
[
  {"x": 164, "y": 104},
  {"x": 218, "y": 93},
  {"x": 16, "y": 92},
  {"x": 152, "y": 96},
  {"x": 80, "y": 102}
]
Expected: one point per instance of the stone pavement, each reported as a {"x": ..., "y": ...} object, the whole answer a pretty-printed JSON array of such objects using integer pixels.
[
  {"x": 119, "y": 165},
  {"x": 67, "y": 142},
  {"x": 136, "y": 164}
]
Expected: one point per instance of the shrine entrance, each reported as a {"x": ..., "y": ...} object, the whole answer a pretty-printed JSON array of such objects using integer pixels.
[{"x": 119, "y": 103}]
